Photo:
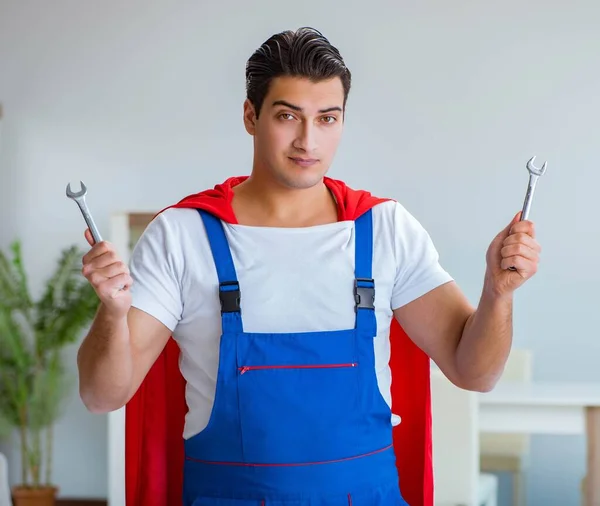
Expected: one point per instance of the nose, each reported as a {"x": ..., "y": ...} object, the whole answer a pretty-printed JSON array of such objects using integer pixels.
[{"x": 306, "y": 140}]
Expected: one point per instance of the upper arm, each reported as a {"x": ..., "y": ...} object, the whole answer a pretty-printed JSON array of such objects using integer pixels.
[
  {"x": 148, "y": 337},
  {"x": 435, "y": 322},
  {"x": 156, "y": 267},
  {"x": 425, "y": 299}
]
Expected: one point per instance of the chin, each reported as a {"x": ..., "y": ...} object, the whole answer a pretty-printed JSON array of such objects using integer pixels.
[
  {"x": 301, "y": 181},
  {"x": 292, "y": 176}
]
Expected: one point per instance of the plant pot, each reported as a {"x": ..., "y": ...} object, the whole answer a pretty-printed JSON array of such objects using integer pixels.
[{"x": 41, "y": 496}]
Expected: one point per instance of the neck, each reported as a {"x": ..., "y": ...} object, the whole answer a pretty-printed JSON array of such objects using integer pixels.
[{"x": 260, "y": 202}]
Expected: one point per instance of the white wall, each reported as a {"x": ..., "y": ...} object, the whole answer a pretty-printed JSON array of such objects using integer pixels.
[{"x": 143, "y": 101}]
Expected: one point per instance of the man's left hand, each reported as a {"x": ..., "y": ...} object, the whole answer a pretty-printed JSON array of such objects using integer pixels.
[{"x": 516, "y": 247}]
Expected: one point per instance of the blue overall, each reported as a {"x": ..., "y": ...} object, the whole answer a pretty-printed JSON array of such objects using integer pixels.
[{"x": 297, "y": 418}]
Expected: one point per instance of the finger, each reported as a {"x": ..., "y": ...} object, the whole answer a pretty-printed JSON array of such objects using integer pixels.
[
  {"x": 523, "y": 227},
  {"x": 523, "y": 265},
  {"x": 97, "y": 249},
  {"x": 524, "y": 239},
  {"x": 101, "y": 262},
  {"x": 519, "y": 250},
  {"x": 115, "y": 286},
  {"x": 98, "y": 276},
  {"x": 506, "y": 230}
]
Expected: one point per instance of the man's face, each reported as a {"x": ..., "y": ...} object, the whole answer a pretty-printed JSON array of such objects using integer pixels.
[{"x": 298, "y": 130}]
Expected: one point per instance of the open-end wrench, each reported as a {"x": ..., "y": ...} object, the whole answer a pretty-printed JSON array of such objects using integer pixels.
[
  {"x": 79, "y": 197},
  {"x": 534, "y": 174}
]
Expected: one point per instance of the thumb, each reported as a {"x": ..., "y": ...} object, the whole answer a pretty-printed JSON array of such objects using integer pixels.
[
  {"x": 89, "y": 238},
  {"x": 506, "y": 231}
]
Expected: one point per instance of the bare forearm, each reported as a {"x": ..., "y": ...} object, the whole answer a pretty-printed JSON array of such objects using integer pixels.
[
  {"x": 105, "y": 364},
  {"x": 485, "y": 343}
]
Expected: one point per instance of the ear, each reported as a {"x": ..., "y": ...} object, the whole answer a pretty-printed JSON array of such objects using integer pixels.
[{"x": 249, "y": 117}]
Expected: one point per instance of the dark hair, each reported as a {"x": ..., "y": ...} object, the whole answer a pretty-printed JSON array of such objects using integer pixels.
[{"x": 301, "y": 53}]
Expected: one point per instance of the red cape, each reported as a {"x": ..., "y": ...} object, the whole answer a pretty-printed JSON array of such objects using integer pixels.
[{"x": 154, "y": 417}]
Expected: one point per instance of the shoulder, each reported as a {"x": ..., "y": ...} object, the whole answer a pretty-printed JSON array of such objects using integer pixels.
[
  {"x": 394, "y": 216},
  {"x": 173, "y": 222},
  {"x": 395, "y": 227},
  {"x": 176, "y": 216},
  {"x": 390, "y": 207},
  {"x": 170, "y": 234}
]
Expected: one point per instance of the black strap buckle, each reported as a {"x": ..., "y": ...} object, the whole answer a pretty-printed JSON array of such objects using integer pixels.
[
  {"x": 230, "y": 298},
  {"x": 364, "y": 296}
]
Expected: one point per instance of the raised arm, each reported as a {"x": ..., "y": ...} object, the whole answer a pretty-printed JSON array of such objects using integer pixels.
[
  {"x": 471, "y": 345},
  {"x": 123, "y": 342}
]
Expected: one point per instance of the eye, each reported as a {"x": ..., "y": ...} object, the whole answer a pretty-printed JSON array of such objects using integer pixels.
[
  {"x": 329, "y": 119},
  {"x": 286, "y": 116}
]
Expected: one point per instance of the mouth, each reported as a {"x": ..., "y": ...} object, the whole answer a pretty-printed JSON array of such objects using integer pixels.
[{"x": 304, "y": 162}]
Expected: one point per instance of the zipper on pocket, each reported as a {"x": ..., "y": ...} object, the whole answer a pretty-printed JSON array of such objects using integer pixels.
[{"x": 247, "y": 368}]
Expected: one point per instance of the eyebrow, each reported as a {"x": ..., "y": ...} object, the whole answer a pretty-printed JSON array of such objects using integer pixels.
[{"x": 299, "y": 109}]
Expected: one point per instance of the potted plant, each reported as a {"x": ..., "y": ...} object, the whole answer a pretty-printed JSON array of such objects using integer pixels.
[{"x": 34, "y": 381}]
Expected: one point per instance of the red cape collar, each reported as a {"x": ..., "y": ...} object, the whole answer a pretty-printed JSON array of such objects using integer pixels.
[{"x": 350, "y": 203}]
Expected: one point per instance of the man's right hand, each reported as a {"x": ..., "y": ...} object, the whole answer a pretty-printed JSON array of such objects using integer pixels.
[{"x": 109, "y": 276}]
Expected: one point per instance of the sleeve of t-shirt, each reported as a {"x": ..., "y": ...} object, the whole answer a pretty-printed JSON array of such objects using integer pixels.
[
  {"x": 154, "y": 267},
  {"x": 418, "y": 267}
]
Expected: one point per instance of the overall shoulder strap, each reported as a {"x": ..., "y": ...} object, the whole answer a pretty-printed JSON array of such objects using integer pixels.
[
  {"x": 229, "y": 287},
  {"x": 364, "y": 284}
]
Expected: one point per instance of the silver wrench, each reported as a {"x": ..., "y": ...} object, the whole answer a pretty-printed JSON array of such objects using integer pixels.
[
  {"x": 534, "y": 174},
  {"x": 79, "y": 198}
]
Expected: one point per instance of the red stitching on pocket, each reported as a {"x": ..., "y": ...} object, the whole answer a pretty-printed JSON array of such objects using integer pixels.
[
  {"x": 247, "y": 368},
  {"x": 349, "y": 500}
]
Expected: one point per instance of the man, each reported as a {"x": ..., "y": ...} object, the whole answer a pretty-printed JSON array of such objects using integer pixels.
[{"x": 280, "y": 290}]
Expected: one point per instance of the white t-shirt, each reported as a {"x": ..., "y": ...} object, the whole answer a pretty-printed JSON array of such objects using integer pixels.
[{"x": 291, "y": 280}]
